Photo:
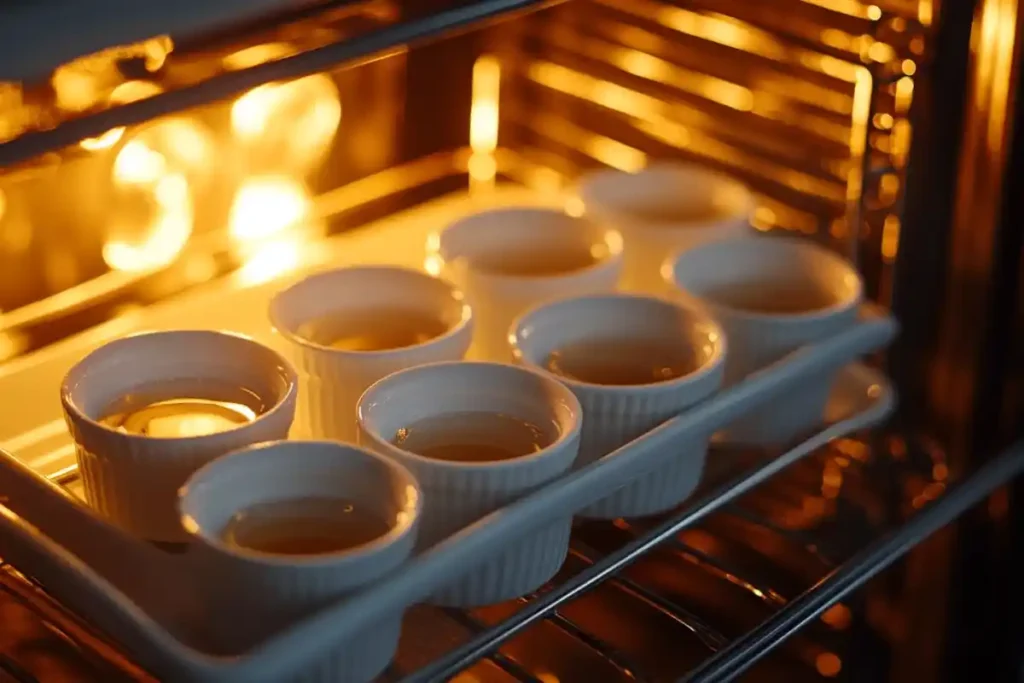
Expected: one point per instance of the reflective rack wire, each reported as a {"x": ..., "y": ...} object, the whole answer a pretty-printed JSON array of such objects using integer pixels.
[{"x": 845, "y": 550}]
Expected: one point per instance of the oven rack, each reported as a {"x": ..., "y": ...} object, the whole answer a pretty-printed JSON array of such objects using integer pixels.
[
  {"x": 36, "y": 434},
  {"x": 738, "y": 501}
]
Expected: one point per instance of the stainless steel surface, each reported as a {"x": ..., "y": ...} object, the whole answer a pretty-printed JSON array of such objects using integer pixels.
[
  {"x": 349, "y": 50},
  {"x": 733, "y": 660}
]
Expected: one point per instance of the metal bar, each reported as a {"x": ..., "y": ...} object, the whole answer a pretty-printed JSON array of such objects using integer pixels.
[
  {"x": 718, "y": 568},
  {"x": 612, "y": 655},
  {"x": 724, "y": 571},
  {"x": 478, "y": 647},
  {"x": 509, "y": 666},
  {"x": 710, "y": 637},
  {"x": 799, "y": 537},
  {"x": 17, "y": 672},
  {"x": 731, "y": 662},
  {"x": 349, "y": 51}
]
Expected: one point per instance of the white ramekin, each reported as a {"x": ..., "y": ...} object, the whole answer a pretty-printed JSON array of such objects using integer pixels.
[
  {"x": 757, "y": 339},
  {"x": 615, "y": 415},
  {"x": 131, "y": 479},
  {"x": 631, "y": 202},
  {"x": 331, "y": 379},
  {"x": 252, "y": 595},
  {"x": 458, "y": 493},
  {"x": 497, "y": 298}
]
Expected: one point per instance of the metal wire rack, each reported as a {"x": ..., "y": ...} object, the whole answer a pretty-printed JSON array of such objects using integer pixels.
[{"x": 699, "y": 595}]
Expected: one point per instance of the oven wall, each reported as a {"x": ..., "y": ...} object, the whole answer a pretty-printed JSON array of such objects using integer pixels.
[{"x": 958, "y": 362}]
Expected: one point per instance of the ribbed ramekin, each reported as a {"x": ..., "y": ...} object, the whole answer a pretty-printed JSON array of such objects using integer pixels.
[
  {"x": 132, "y": 479},
  {"x": 664, "y": 208},
  {"x": 252, "y": 595},
  {"x": 777, "y": 267},
  {"x": 614, "y": 415},
  {"x": 458, "y": 493},
  {"x": 332, "y": 380},
  {"x": 497, "y": 296}
]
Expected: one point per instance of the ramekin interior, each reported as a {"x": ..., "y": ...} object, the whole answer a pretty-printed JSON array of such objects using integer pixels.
[
  {"x": 406, "y": 397},
  {"x": 289, "y": 470},
  {"x": 126, "y": 365},
  {"x": 505, "y": 230},
  {"x": 366, "y": 288},
  {"x": 662, "y": 188},
  {"x": 551, "y": 326},
  {"x": 790, "y": 262}
]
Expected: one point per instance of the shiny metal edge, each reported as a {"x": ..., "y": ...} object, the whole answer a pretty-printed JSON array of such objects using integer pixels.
[
  {"x": 732, "y": 661},
  {"x": 348, "y": 51}
]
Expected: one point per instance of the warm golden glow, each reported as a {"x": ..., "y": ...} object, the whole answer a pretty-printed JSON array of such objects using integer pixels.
[
  {"x": 138, "y": 163},
  {"x": 741, "y": 35},
  {"x": 859, "y": 134},
  {"x": 615, "y": 154},
  {"x": 165, "y": 233},
  {"x": 828, "y": 664},
  {"x": 641, "y": 64},
  {"x": 132, "y": 91},
  {"x": 773, "y": 92},
  {"x": 926, "y": 12},
  {"x": 268, "y": 221},
  {"x": 267, "y": 206},
  {"x": 284, "y": 127},
  {"x": 105, "y": 141},
  {"x": 129, "y": 91},
  {"x": 904, "y": 94},
  {"x": 152, "y": 177},
  {"x": 574, "y": 207},
  {"x": 156, "y": 51},
  {"x": 271, "y": 259},
  {"x": 651, "y": 116},
  {"x": 75, "y": 90},
  {"x": 721, "y": 29},
  {"x": 257, "y": 54},
  {"x": 890, "y": 237},
  {"x": 837, "y": 616},
  {"x": 854, "y": 8},
  {"x": 888, "y": 188},
  {"x": 83, "y": 83},
  {"x": 483, "y": 121},
  {"x": 995, "y": 63},
  {"x": 881, "y": 52},
  {"x": 12, "y": 344}
]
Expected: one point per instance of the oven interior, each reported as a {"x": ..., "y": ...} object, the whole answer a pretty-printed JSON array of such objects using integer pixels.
[{"x": 809, "y": 102}]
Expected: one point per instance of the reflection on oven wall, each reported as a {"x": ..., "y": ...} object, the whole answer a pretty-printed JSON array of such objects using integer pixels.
[
  {"x": 809, "y": 112},
  {"x": 132, "y": 215},
  {"x": 814, "y": 113}
]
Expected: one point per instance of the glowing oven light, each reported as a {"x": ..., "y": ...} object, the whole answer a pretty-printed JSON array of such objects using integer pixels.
[
  {"x": 153, "y": 177},
  {"x": 270, "y": 221},
  {"x": 483, "y": 121},
  {"x": 284, "y": 127},
  {"x": 164, "y": 236},
  {"x": 267, "y": 206}
]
